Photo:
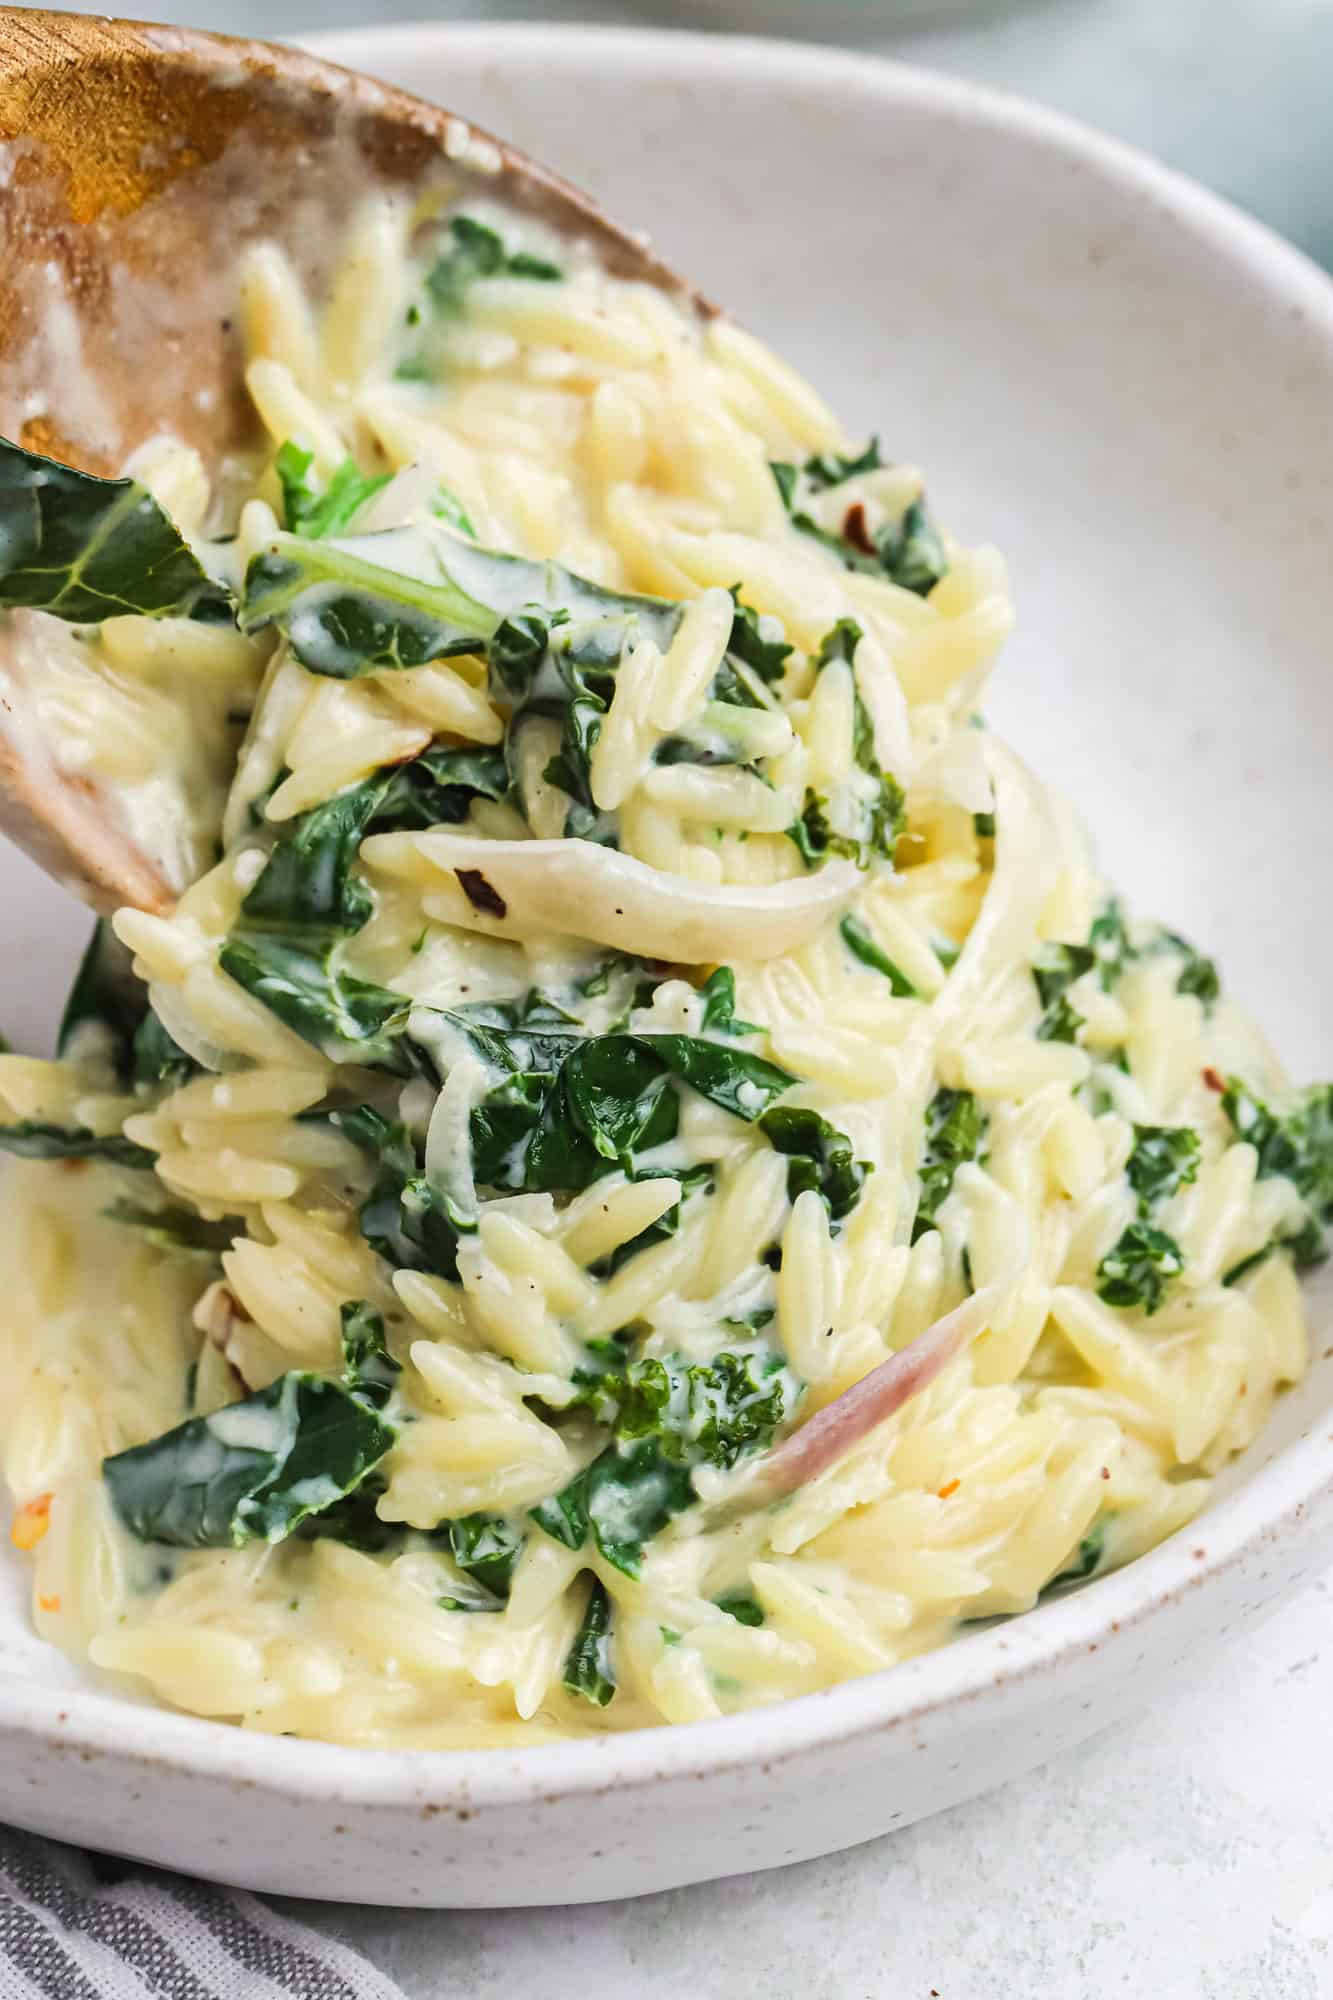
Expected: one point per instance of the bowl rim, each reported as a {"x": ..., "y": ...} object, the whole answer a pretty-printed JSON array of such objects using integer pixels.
[{"x": 1110, "y": 1617}]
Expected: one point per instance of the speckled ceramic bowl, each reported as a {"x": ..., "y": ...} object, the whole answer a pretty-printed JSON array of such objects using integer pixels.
[{"x": 1129, "y": 386}]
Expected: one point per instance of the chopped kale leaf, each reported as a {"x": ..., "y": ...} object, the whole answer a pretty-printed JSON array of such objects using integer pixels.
[
  {"x": 819, "y": 1155},
  {"x": 254, "y": 1470},
  {"x": 590, "y": 1666},
  {"x": 174, "y": 1227},
  {"x": 85, "y": 549},
  {"x": 862, "y": 946},
  {"x": 956, "y": 1128},
  {"x": 909, "y": 551},
  {"x": 316, "y": 514},
  {"x": 1164, "y": 1159},
  {"x": 1135, "y": 1271}
]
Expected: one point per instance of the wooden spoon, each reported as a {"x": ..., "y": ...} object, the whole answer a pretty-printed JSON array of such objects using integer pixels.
[{"x": 138, "y": 163}]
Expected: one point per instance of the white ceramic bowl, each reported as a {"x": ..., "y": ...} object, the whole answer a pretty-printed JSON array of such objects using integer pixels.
[{"x": 1129, "y": 386}]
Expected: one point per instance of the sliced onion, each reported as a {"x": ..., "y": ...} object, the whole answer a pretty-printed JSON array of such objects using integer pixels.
[
  {"x": 448, "y": 1155},
  {"x": 520, "y": 888},
  {"x": 176, "y": 1018},
  {"x": 1027, "y": 860}
]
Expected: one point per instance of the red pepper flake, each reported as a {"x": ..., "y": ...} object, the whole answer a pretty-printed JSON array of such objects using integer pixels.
[
  {"x": 1106, "y": 1472},
  {"x": 855, "y": 531},
  {"x": 952, "y": 1487},
  {"x": 1214, "y": 1081},
  {"x": 480, "y": 893},
  {"x": 48, "y": 1604},
  {"x": 31, "y": 1522}
]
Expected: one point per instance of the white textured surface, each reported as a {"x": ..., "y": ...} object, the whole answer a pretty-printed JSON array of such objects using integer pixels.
[{"x": 1185, "y": 1856}]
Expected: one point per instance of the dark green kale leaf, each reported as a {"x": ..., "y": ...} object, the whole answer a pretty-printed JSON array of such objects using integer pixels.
[
  {"x": 624, "y": 1498},
  {"x": 285, "y": 947},
  {"x": 369, "y": 1370},
  {"x": 174, "y": 1227},
  {"x": 913, "y": 553},
  {"x": 472, "y": 250},
  {"x": 1135, "y": 1270},
  {"x": 751, "y": 666},
  {"x": 439, "y": 788},
  {"x": 615, "y": 1096},
  {"x": 718, "y": 994},
  {"x": 736, "y": 1080},
  {"x": 1296, "y": 1144},
  {"x": 820, "y": 1157},
  {"x": 32, "y": 1139},
  {"x": 830, "y": 468},
  {"x": 254, "y": 1470},
  {"x": 1088, "y": 1558},
  {"x": 553, "y": 641},
  {"x": 487, "y": 1547},
  {"x": 956, "y": 1128},
  {"x": 1164, "y": 1159},
  {"x": 1061, "y": 1021},
  {"x": 106, "y": 1007},
  {"x": 313, "y": 514},
  {"x": 1108, "y": 940},
  {"x": 573, "y": 1106},
  {"x": 86, "y": 549},
  {"x": 307, "y": 886},
  {"x": 351, "y": 1020},
  {"x": 159, "y": 1059},
  {"x": 666, "y": 1417},
  {"x": 307, "y": 882},
  {"x": 737, "y": 1402},
  {"x": 910, "y": 551},
  {"x": 590, "y": 1667},
  {"x": 1198, "y": 975},
  {"x": 107, "y": 1019},
  {"x": 346, "y": 613},
  {"x": 404, "y": 1217},
  {"x": 870, "y": 812},
  {"x": 518, "y": 651},
  {"x": 748, "y": 647},
  {"x": 587, "y": 698},
  {"x": 475, "y": 250},
  {"x": 813, "y": 833},
  {"x": 1055, "y": 968},
  {"x": 742, "y": 1605},
  {"x": 355, "y": 1520},
  {"x": 862, "y": 946}
]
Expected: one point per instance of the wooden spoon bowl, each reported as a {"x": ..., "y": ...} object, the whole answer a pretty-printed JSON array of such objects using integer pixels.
[{"x": 140, "y": 162}]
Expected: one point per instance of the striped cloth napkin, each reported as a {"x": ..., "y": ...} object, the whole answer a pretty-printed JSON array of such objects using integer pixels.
[{"x": 75, "y": 1926}]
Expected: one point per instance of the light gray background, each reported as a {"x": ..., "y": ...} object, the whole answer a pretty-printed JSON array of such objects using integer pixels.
[{"x": 1188, "y": 1856}]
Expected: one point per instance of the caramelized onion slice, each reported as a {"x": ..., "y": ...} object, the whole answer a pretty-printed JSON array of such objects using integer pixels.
[{"x": 521, "y": 888}]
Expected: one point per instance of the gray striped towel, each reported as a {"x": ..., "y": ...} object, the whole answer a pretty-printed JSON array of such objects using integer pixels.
[{"x": 78, "y": 1927}]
